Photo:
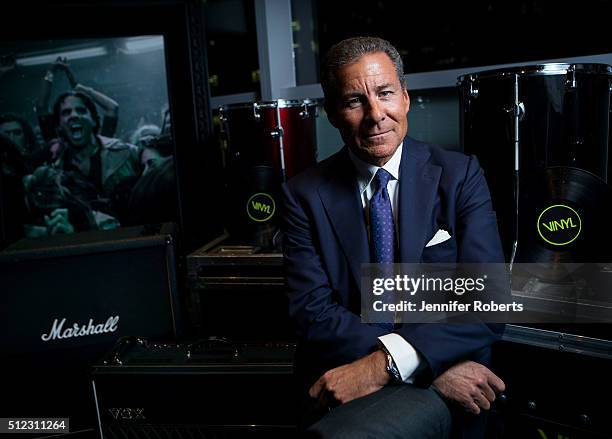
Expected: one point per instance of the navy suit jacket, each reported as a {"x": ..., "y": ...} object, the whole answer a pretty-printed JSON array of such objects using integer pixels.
[{"x": 325, "y": 243}]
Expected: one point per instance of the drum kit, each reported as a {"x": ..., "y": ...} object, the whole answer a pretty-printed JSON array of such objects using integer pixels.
[{"x": 540, "y": 132}]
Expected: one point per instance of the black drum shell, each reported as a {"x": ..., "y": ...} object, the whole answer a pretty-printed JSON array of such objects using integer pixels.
[{"x": 565, "y": 123}]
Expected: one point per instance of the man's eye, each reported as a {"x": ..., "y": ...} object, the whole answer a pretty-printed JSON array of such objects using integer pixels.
[
  {"x": 352, "y": 102},
  {"x": 386, "y": 93}
]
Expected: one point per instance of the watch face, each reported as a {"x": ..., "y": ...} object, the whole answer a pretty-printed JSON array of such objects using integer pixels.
[{"x": 392, "y": 369}]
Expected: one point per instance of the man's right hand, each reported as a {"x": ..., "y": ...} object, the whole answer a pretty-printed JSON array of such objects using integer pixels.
[
  {"x": 57, "y": 222},
  {"x": 470, "y": 384},
  {"x": 59, "y": 64}
]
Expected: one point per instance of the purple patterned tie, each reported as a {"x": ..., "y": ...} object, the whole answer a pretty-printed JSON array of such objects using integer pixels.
[
  {"x": 382, "y": 231},
  {"x": 382, "y": 228}
]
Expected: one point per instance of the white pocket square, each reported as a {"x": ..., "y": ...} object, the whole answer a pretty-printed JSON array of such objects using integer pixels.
[{"x": 440, "y": 236}]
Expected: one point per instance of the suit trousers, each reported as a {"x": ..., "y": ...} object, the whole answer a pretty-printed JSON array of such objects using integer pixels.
[{"x": 396, "y": 411}]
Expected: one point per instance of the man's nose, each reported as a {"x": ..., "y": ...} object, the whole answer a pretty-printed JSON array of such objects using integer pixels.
[{"x": 375, "y": 111}]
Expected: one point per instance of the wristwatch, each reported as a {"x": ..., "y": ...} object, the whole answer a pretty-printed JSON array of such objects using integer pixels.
[{"x": 392, "y": 369}]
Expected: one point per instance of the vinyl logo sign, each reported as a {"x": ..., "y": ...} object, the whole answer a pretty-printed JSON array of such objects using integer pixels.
[
  {"x": 261, "y": 207},
  {"x": 559, "y": 225}
]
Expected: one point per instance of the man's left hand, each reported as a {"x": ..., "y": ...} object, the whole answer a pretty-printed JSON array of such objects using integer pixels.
[
  {"x": 351, "y": 381},
  {"x": 470, "y": 384}
]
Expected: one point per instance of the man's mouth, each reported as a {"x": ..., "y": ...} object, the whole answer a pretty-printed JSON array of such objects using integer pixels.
[
  {"x": 374, "y": 136},
  {"x": 76, "y": 131}
]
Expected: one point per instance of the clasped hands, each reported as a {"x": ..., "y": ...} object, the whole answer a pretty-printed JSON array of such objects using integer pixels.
[{"x": 469, "y": 384}]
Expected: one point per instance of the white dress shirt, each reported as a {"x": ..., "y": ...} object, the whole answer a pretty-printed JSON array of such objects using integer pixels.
[{"x": 404, "y": 355}]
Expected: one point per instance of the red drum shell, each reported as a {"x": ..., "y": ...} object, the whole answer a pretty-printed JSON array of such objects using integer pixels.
[{"x": 252, "y": 129}]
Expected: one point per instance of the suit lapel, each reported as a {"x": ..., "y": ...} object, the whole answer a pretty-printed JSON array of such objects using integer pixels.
[
  {"x": 342, "y": 203},
  {"x": 419, "y": 181}
]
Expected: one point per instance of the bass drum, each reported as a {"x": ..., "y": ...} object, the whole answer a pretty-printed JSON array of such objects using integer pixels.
[
  {"x": 522, "y": 121},
  {"x": 266, "y": 143}
]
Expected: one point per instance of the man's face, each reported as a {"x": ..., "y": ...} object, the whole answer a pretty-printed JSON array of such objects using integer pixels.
[
  {"x": 76, "y": 122},
  {"x": 370, "y": 108},
  {"x": 14, "y": 132},
  {"x": 149, "y": 160}
]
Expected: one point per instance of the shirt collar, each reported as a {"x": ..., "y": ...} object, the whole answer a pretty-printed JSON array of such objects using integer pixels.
[{"x": 367, "y": 171}]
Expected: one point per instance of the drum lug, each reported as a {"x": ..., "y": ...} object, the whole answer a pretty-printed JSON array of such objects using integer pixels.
[
  {"x": 277, "y": 132},
  {"x": 304, "y": 112},
  {"x": 520, "y": 111},
  {"x": 222, "y": 116},
  {"x": 473, "y": 87},
  {"x": 256, "y": 114},
  {"x": 517, "y": 110},
  {"x": 571, "y": 82}
]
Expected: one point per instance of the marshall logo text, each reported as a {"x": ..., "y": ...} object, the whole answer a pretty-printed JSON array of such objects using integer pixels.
[{"x": 58, "y": 331}]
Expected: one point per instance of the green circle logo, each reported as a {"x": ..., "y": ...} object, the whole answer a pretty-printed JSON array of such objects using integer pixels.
[
  {"x": 559, "y": 224},
  {"x": 261, "y": 207}
]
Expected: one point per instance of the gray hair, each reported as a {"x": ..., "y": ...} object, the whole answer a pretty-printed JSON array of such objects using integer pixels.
[
  {"x": 143, "y": 132},
  {"x": 350, "y": 50}
]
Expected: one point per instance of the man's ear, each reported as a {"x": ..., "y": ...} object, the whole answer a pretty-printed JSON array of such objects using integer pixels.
[{"x": 407, "y": 99}]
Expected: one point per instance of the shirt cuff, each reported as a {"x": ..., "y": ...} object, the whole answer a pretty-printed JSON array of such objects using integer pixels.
[{"x": 406, "y": 358}]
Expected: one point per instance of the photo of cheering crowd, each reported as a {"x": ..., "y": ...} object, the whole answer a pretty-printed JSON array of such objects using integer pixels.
[{"x": 85, "y": 137}]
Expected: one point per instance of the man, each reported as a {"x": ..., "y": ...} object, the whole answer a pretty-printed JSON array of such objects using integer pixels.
[
  {"x": 329, "y": 215},
  {"x": 109, "y": 106},
  {"x": 91, "y": 165},
  {"x": 153, "y": 197},
  {"x": 18, "y": 131},
  {"x": 105, "y": 160},
  {"x": 20, "y": 154},
  {"x": 13, "y": 211}
]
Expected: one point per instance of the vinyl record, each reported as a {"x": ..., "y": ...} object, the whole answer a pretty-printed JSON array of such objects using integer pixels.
[{"x": 564, "y": 216}]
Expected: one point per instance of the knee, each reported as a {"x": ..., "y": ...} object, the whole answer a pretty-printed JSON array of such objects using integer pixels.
[
  {"x": 341, "y": 432},
  {"x": 433, "y": 421}
]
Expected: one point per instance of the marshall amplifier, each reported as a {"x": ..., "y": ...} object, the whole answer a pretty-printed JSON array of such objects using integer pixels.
[
  {"x": 65, "y": 301},
  {"x": 208, "y": 389}
]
